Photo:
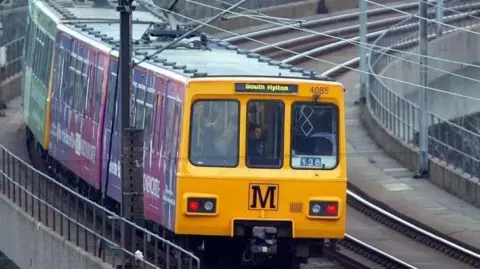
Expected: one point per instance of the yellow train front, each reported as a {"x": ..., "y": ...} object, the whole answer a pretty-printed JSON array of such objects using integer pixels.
[{"x": 262, "y": 175}]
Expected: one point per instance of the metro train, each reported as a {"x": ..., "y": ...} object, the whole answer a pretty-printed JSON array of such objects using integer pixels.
[{"x": 243, "y": 155}]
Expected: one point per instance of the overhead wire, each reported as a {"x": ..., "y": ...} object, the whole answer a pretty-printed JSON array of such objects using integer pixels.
[
  {"x": 417, "y": 16},
  {"x": 355, "y": 43},
  {"x": 332, "y": 63},
  {"x": 445, "y": 8},
  {"x": 380, "y": 51}
]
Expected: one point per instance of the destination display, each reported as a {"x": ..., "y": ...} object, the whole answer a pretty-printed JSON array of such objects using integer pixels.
[{"x": 266, "y": 88}]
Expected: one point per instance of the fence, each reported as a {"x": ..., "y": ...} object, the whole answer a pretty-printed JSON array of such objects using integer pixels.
[
  {"x": 395, "y": 106},
  {"x": 86, "y": 224},
  {"x": 13, "y": 17}
]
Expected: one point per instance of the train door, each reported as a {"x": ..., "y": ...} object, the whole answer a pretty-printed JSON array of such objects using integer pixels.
[
  {"x": 87, "y": 131},
  {"x": 79, "y": 121},
  {"x": 111, "y": 178},
  {"x": 169, "y": 151},
  {"x": 154, "y": 180},
  {"x": 98, "y": 105},
  {"x": 149, "y": 104},
  {"x": 59, "y": 142}
]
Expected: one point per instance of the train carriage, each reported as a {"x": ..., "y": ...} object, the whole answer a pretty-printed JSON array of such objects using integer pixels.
[
  {"x": 237, "y": 147},
  {"x": 39, "y": 45}
]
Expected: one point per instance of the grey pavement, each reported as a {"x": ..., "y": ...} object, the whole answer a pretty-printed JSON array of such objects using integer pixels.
[{"x": 372, "y": 171}]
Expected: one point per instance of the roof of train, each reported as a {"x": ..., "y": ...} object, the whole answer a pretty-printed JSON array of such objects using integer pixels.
[{"x": 98, "y": 20}]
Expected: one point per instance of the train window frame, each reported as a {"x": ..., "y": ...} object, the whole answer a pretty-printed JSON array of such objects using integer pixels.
[
  {"x": 38, "y": 56},
  {"x": 48, "y": 51},
  {"x": 149, "y": 111},
  {"x": 57, "y": 76},
  {"x": 282, "y": 136},
  {"x": 110, "y": 101},
  {"x": 160, "y": 102},
  {"x": 98, "y": 85},
  {"x": 239, "y": 109},
  {"x": 71, "y": 81},
  {"x": 337, "y": 110}
]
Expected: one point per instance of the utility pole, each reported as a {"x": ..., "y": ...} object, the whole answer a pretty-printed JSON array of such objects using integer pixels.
[
  {"x": 423, "y": 128},
  {"x": 125, "y": 8},
  {"x": 439, "y": 17},
  {"x": 131, "y": 141},
  {"x": 363, "y": 51}
]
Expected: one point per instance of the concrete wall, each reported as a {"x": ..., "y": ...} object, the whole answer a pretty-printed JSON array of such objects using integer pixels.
[
  {"x": 458, "y": 46},
  {"x": 30, "y": 248},
  {"x": 461, "y": 47}
]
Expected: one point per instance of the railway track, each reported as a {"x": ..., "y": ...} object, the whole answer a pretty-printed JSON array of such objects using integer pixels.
[
  {"x": 353, "y": 253},
  {"x": 315, "y": 39}
]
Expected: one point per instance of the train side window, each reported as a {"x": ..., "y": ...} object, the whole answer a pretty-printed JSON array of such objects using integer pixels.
[
  {"x": 176, "y": 126},
  {"x": 149, "y": 110},
  {"x": 112, "y": 82},
  {"x": 50, "y": 47},
  {"x": 265, "y": 133},
  {"x": 77, "y": 94},
  {"x": 147, "y": 126},
  {"x": 158, "y": 121},
  {"x": 41, "y": 57},
  {"x": 38, "y": 56},
  {"x": 65, "y": 75},
  {"x": 48, "y": 60},
  {"x": 71, "y": 81},
  {"x": 58, "y": 68},
  {"x": 86, "y": 104},
  {"x": 98, "y": 87},
  {"x": 140, "y": 106}
]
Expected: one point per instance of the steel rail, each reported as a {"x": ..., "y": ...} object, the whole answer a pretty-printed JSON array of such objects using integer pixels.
[
  {"x": 352, "y": 63},
  {"x": 339, "y": 44},
  {"x": 313, "y": 23}
]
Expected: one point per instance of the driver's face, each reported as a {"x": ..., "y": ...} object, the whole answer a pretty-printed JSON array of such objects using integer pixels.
[{"x": 258, "y": 133}]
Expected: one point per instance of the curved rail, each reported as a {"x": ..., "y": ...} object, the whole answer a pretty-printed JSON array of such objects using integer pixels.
[
  {"x": 410, "y": 26},
  {"x": 313, "y": 23}
]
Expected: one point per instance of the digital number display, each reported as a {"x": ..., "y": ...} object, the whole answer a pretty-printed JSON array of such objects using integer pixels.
[
  {"x": 266, "y": 88},
  {"x": 310, "y": 161}
]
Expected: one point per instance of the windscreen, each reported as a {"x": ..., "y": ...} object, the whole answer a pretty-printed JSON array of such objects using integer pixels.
[
  {"x": 314, "y": 136},
  {"x": 264, "y": 143},
  {"x": 214, "y": 133}
]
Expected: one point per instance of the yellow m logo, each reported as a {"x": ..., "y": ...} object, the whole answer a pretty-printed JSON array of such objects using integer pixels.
[{"x": 263, "y": 197}]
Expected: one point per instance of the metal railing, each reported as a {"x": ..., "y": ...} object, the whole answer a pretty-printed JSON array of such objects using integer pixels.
[
  {"x": 395, "y": 104},
  {"x": 13, "y": 18},
  {"x": 84, "y": 223}
]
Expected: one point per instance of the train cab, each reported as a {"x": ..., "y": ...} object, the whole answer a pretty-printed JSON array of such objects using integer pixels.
[{"x": 263, "y": 163}]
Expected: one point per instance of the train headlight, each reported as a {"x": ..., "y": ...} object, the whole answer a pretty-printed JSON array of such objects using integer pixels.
[
  {"x": 316, "y": 209},
  {"x": 201, "y": 205},
  {"x": 323, "y": 209},
  {"x": 208, "y": 206}
]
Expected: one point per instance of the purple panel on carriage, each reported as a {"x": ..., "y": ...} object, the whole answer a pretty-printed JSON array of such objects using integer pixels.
[
  {"x": 161, "y": 156},
  {"x": 111, "y": 182},
  {"x": 73, "y": 134},
  {"x": 59, "y": 137}
]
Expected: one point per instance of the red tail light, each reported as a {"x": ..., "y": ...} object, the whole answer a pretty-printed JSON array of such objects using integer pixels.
[
  {"x": 331, "y": 209},
  {"x": 193, "y": 205}
]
